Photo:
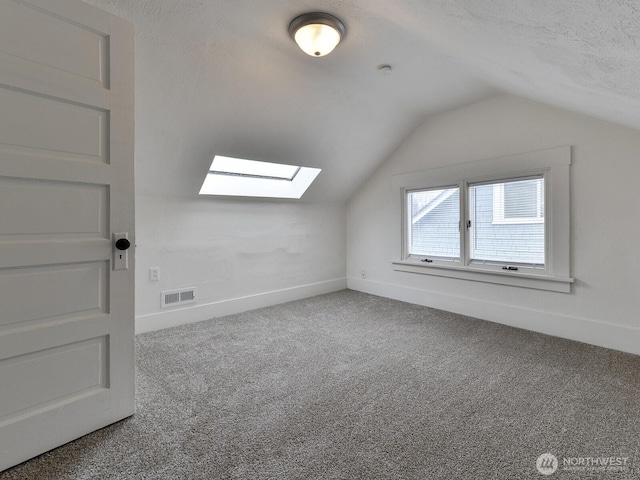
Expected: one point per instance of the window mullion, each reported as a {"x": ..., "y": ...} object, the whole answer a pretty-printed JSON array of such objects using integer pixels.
[
  {"x": 464, "y": 219},
  {"x": 407, "y": 221},
  {"x": 548, "y": 222}
]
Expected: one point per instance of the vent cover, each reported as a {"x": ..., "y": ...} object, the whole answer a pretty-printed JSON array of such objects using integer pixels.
[{"x": 171, "y": 298}]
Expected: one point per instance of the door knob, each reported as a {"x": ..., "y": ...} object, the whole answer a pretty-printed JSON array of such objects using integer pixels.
[{"x": 123, "y": 244}]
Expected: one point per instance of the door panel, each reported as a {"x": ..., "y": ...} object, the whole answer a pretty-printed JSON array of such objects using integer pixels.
[
  {"x": 57, "y": 291},
  {"x": 58, "y": 374},
  {"x": 45, "y": 126},
  {"x": 66, "y": 184},
  {"x": 89, "y": 204},
  {"x": 57, "y": 43}
]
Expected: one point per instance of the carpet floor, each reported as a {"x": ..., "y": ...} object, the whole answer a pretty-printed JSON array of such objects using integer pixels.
[{"x": 353, "y": 386}]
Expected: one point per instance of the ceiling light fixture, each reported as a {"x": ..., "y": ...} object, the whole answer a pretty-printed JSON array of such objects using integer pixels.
[{"x": 317, "y": 34}]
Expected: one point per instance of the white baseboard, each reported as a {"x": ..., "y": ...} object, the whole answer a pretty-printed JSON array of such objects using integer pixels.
[
  {"x": 617, "y": 337},
  {"x": 198, "y": 313}
]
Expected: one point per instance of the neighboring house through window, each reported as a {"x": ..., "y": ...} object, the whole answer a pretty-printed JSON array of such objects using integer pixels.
[
  {"x": 507, "y": 222},
  {"x": 434, "y": 224},
  {"x": 519, "y": 201}
]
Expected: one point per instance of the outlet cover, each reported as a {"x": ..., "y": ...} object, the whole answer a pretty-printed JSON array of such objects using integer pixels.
[{"x": 154, "y": 274}]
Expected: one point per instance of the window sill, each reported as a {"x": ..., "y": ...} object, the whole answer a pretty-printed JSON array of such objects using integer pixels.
[{"x": 519, "y": 279}]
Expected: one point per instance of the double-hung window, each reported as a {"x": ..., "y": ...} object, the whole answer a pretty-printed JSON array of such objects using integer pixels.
[{"x": 503, "y": 220}]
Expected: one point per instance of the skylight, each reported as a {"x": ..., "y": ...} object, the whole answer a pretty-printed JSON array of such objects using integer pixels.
[{"x": 250, "y": 178}]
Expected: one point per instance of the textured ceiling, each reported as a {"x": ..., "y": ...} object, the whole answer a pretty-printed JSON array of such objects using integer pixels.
[
  {"x": 223, "y": 77},
  {"x": 583, "y": 55}
]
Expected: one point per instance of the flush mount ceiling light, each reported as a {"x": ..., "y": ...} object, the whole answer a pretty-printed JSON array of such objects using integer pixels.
[{"x": 317, "y": 34}]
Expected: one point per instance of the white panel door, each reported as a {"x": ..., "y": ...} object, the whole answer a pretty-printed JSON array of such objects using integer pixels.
[{"x": 66, "y": 191}]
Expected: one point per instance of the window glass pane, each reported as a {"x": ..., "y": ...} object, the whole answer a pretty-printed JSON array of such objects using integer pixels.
[
  {"x": 520, "y": 199},
  {"x": 240, "y": 166},
  {"x": 434, "y": 218},
  {"x": 507, "y": 221}
]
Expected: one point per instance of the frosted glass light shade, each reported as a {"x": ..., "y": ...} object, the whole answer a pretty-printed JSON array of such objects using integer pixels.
[
  {"x": 317, "y": 34},
  {"x": 317, "y": 39}
]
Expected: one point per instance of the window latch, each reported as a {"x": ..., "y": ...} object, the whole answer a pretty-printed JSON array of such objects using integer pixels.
[
  {"x": 468, "y": 224},
  {"x": 510, "y": 268},
  {"x": 426, "y": 260}
]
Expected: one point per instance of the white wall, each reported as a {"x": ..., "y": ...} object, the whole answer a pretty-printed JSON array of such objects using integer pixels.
[
  {"x": 603, "y": 307},
  {"x": 240, "y": 254}
]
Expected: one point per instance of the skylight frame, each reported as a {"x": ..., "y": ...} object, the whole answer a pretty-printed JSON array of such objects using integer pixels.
[
  {"x": 244, "y": 167},
  {"x": 229, "y": 176}
]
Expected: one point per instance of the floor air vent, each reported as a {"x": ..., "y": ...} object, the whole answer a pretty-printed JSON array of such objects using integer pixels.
[{"x": 178, "y": 297}]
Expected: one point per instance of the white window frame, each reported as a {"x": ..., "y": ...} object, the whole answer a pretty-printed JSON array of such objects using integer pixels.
[{"x": 553, "y": 164}]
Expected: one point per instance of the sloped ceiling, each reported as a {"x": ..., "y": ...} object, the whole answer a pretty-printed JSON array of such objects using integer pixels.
[{"x": 223, "y": 77}]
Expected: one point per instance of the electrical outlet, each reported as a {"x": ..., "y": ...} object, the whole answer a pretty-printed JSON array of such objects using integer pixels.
[
  {"x": 363, "y": 274},
  {"x": 154, "y": 274}
]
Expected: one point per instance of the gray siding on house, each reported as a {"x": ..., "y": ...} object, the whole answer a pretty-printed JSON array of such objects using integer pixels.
[
  {"x": 518, "y": 242},
  {"x": 436, "y": 234}
]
